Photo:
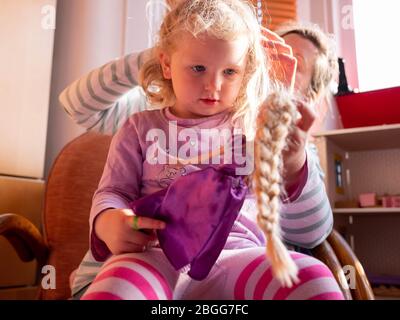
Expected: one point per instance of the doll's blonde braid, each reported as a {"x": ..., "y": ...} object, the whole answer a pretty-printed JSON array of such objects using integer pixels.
[{"x": 275, "y": 120}]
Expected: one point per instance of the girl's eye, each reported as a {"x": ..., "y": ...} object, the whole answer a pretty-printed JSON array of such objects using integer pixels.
[
  {"x": 198, "y": 68},
  {"x": 229, "y": 72}
]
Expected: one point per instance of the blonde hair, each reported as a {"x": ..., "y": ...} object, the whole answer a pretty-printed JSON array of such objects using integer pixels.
[
  {"x": 326, "y": 65},
  {"x": 221, "y": 19},
  {"x": 274, "y": 124}
]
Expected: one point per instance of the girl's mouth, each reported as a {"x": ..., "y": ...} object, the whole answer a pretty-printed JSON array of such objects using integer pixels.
[{"x": 209, "y": 101}]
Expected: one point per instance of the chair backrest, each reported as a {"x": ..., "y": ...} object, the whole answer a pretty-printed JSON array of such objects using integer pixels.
[{"x": 70, "y": 187}]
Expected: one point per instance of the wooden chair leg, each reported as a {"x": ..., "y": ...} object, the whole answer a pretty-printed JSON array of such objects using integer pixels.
[
  {"x": 325, "y": 253},
  {"x": 346, "y": 257}
]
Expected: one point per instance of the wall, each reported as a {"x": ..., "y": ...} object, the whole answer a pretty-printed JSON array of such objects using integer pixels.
[
  {"x": 25, "y": 71},
  {"x": 304, "y": 10},
  {"x": 88, "y": 34},
  {"x": 27, "y": 35}
]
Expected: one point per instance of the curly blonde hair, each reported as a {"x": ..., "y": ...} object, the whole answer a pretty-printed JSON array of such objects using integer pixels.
[
  {"x": 326, "y": 66},
  {"x": 224, "y": 20},
  {"x": 274, "y": 124}
]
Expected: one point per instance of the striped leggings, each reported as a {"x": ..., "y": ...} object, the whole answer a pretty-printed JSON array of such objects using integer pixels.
[{"x": 239, "y": 274}]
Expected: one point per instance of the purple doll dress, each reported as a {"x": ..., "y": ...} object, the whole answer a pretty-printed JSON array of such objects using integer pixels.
[{"x": 199, "y": 210}]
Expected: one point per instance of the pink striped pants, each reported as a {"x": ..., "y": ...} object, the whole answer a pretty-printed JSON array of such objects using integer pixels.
[{"x": 239, "y": 274}]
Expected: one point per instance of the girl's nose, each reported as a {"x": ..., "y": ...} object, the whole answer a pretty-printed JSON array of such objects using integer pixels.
[{"x": 213, "y": 83}]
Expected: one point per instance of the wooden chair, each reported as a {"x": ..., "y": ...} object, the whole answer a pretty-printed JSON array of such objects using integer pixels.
[{"x": 73, "y": 179}]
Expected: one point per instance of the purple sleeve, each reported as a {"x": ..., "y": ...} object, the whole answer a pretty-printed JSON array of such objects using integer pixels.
[
  {"x": 120, "y": 182},
  {"x": 98, "y": 247},
  {"x": 308, "y": 220}
]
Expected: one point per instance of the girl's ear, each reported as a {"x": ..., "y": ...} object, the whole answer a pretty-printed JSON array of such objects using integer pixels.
[{"x": 165, "y": 62}]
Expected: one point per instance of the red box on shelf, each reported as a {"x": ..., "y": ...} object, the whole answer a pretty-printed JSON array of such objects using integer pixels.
[
  {"x": 367, "y": 200},
  {"x": 370, "y": 108},
  {"x": 396, "y": 201}
]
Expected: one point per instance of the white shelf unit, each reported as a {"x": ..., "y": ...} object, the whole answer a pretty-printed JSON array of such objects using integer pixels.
[{"x": 370, "y": 163}]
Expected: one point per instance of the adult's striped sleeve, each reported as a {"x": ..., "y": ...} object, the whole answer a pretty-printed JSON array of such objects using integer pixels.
[{"x": 103, "y": 99}]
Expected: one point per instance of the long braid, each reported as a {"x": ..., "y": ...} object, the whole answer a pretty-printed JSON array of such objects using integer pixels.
[{"x": 275, "y": 119}]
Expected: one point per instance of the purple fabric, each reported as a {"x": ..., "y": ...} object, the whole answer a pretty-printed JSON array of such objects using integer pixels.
[{"x": 199, "y": 210}]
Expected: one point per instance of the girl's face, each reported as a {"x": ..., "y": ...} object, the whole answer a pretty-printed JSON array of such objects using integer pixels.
[
  {"x": 206, "y": 74},
  {"x": 306, "y": 54}
]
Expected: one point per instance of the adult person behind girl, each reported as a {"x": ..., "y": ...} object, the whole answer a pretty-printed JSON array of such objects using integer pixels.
[{"x": 242, "y": 265}]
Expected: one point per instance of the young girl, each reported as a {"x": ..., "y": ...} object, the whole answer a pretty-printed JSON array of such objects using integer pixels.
[{"x": 210, "y": 73}]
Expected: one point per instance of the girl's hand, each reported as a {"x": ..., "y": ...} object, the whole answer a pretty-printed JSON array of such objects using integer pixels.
[
  {"x": 114, "y": 227},
  {"x": 280, "y": 55},
  {"x": 295, "y": 156}
]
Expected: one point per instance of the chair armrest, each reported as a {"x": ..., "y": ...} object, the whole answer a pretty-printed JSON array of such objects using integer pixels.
[
  {"x": 325, "y": 253},
  {"x": 24, "y": 237}
]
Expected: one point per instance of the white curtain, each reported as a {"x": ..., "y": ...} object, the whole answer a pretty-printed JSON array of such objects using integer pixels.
[{"x": 155, "y": 12}]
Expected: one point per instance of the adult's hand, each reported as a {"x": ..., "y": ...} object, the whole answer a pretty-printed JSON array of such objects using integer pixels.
[{"x": 283, "y": 64}]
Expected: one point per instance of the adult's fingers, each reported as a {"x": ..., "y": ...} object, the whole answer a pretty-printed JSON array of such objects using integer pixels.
[
  {"x": 285, "y": 60},
  {"x": 308, "y": 116},
  {"x": 283, "y": 69},
  {"x": 271, "y": 35},
  {"x": 277, "y": 47}
]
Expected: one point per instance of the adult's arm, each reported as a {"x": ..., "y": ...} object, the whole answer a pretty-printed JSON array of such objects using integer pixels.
[
  {"x": 307, "y": 219},
  {"x": 106, "y": 97}
]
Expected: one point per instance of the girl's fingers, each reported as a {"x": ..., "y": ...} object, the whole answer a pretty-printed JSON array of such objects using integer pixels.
[
  {"x": 128, "y": 247},
  {"x": 137, "y": 222},
  {"x": 139, "y": 237},
  {"x": 132, "y": 247},
  {"x": 138, "y": 241}
]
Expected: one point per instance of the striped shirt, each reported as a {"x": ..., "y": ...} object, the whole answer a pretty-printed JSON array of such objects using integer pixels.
[{"x": 106, "y": 97}]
